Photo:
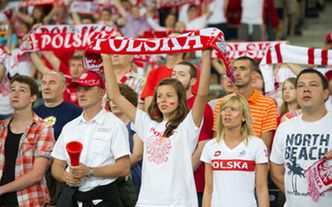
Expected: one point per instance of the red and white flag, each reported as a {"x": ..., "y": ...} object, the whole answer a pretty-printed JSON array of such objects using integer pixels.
[{"x": 319, "y": 177}]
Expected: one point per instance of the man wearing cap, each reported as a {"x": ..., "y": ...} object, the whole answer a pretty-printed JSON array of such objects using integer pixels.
[{"x": 105, "y": 153}]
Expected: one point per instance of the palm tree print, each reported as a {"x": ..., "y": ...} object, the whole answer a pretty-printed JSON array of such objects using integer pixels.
[{"x": 296, "y": 171}]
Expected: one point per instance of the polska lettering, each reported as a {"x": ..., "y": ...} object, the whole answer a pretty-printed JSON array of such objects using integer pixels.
[
  {"x": 67, "y": 36},
  {"x": 119, "y": 46},
  {"x": 235, "y": 165},
  {"x": 255, "y": 50},
  {"x": 73, "y": 28},
  {"x": 65, "y": 40},
  {"x": 192, "y": 41}
]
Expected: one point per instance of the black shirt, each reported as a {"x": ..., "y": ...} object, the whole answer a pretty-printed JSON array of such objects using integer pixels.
[{"x": 11, "y": 150}]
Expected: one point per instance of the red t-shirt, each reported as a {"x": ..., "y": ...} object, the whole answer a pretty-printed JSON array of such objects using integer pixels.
[
  {"x": 156, "y": 75},
  {"x": 206, "y": 133},
  {"x": 64, "y": 58}
]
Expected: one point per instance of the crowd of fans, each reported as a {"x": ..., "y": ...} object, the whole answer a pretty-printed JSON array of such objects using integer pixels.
[{"x": 154, "y": 135}]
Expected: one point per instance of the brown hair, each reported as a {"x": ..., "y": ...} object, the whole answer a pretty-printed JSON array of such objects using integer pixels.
[
  {"x": 128, "y": 93},
  {"x": 34, "y": 89},
  {"x": 180, "y": 112}
]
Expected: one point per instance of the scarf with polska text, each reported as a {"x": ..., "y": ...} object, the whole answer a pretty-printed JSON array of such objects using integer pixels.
[
  {"x": 189, "y": 42},
  {"x": 66, "y": 37},
  {"x": 319, "y": 177}
]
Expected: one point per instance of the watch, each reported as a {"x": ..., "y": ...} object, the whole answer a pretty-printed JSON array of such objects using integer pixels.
[{"x": 90, "y": 174}]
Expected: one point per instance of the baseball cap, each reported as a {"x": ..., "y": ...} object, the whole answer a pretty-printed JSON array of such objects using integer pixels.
[
  {"x": 88, "y": 79},
  {"x": 328, "y": 75},
  {"x": 328, "y": 37}
]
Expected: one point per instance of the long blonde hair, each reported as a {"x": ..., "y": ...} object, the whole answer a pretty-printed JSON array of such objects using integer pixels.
[
  {"x": 284, "y": 106},
  {"x": 246, "y": 127}
]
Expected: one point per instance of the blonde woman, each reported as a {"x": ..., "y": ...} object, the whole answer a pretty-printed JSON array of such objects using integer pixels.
[
  {"x": 235, "y": 160},
  {"x": 289, "y": 108}
]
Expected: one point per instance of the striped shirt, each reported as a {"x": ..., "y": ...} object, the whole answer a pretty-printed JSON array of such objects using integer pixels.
[
  {"x": 263, "y": 111},
  {"x": 134, "y": 80}
]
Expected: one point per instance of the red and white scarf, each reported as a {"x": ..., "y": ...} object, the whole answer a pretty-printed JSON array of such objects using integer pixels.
[
  {"x": 284, "y": 53},
  {"x": 4, "y": 56},
  {"x": 319, "y": 177},
  {"x": 4, "y": 83},
  {"x": 27, "y": 3},
  {"x": 172, "y": 3},
  {"x": 66, "y": 37},
  {"x": 254, "y": 50},
  {"x": 192, "y": 41}
]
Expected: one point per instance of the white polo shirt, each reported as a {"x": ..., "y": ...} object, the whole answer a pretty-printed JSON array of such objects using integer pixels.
[{"x": 104, "y": 139}]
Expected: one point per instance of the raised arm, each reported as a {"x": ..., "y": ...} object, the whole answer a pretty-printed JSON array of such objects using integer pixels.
[
  {"x": 113, "y": 90},
  {"x": 220, "y": 67},
  {"x": 203, "y": 89},
  {"x": 2, "y": 71},
  {"x": 52, "y": 59},
  {"x": 122, "y": 11},
  {"x": 24, "y": 17},
  {"x": 39, "y": 63},
  {"x": 50, "y": 15}
]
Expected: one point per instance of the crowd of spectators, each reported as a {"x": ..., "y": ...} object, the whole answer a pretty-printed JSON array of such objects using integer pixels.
[{"x": 73, "y": 99}]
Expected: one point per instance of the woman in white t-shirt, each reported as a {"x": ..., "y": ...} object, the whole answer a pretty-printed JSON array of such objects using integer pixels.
[
  {"x": 170, "y": 135},
  {"x": 235, "y": 160}
]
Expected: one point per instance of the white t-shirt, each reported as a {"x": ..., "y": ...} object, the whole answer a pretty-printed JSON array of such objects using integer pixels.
[
  {"x": 252, "y": 12},
  {"x": 5, "y": 107},
  {"x": 218, "y": 14},
  {"x": 197, "y": 23},
  {"x": 167, "y": 173},
  {"x": 297, "y": 145},
  {"x": 104, "y": 139},
  {"x": 234, "y": 171}
]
